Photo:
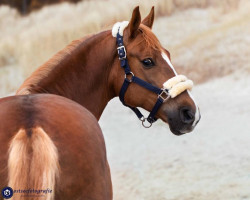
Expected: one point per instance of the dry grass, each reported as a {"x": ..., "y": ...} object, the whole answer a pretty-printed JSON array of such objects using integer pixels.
[
  {"x": 27, "y": 42},
  {"x": 212, "y": 43}
]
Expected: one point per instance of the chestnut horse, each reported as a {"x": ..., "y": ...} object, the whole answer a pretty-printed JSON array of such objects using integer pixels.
[{"x": 49, "y": 132}]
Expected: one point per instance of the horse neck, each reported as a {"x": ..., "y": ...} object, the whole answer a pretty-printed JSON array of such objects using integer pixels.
[{"x": 82, "y": 76}]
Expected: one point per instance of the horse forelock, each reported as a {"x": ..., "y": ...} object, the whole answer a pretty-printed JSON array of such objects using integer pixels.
[{"x": 150, "y": 38}]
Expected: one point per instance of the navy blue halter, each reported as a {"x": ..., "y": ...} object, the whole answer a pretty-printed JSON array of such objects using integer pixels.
[{"x": 162, "y": 93}]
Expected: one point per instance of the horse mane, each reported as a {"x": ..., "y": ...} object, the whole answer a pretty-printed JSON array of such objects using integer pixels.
[
  {"x": 44, "y": 70},
  {"x": 31, "y": 84}
]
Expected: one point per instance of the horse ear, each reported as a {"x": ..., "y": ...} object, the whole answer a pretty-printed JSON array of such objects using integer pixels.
[
  {"x": 134, "y": 22},
  {"x": 149, "y": 20}
]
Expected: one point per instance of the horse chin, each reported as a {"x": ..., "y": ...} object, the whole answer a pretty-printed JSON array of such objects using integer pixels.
[
  {"x": 180, "y": 132},
  {"x": 175, "y": 129}
]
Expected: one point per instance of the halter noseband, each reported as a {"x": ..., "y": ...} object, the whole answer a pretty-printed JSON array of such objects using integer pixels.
[{"x": 163, "y": 93}]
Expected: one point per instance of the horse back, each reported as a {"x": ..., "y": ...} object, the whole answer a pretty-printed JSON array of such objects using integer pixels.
[{"x": 75, "y": 133}]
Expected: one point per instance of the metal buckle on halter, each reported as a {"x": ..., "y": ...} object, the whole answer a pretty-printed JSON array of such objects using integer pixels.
[
  {"x": 122, "y": 52},
  {"x": 164, "y": 95},
  {"x": 131, "y": 79}
]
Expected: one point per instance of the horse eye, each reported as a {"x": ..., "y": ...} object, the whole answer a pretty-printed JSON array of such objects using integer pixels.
[{"x": 148, "y": 62}]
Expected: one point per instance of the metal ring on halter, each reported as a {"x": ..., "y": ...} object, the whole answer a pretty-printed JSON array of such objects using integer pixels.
[
  {"x": 126, "y": 76},
  {"x": 144, "y": 124},
  {"x": 164, "y": 95},
  {"x": 142, "y": 119}
]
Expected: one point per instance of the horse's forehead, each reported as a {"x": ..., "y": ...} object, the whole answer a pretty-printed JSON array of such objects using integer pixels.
[{"x": 150, "y": 38}]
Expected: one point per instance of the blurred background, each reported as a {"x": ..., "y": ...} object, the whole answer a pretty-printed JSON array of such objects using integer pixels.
[{"x": 209, "y": 41}]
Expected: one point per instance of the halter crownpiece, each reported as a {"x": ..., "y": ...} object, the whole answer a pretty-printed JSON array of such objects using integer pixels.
[
  {"x": 171, "y": 88},
  {"x": 119, "y": 26}
]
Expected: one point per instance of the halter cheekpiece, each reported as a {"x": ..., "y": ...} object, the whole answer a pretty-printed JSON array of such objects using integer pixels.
[{"x": 163, "y": 94}]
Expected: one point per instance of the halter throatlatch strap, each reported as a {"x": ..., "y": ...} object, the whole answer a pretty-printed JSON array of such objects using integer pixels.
[{"x": 171, "y": 88}]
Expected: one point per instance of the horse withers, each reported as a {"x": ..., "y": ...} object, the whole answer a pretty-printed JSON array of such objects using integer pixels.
[{"x": 49, "y": 133}]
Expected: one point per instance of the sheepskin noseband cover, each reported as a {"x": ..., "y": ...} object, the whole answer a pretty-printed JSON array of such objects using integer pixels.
[{"x": 177, "y": 85}]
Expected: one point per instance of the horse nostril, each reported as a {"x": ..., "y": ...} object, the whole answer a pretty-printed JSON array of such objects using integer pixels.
[{"x": 187, "y": 116}]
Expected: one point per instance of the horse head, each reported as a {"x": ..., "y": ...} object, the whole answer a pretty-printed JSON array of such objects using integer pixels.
[{"x": 150, "y": 78}]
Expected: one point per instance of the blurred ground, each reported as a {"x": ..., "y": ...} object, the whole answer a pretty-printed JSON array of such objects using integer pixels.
[{"x": 210, "y": 44}]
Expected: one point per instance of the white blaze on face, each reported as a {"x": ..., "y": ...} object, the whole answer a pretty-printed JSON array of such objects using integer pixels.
[
  {"x": 166, "y": 58},
  {"x": 197, "y": 111}
]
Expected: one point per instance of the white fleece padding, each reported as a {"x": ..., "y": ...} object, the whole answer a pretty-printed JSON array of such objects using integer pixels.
[
  {"x": 180, "y": 87},
  {"x": 177, "y": 85},
  {"x": 173, "y": 81},
  {"x": 121, "y": 25}
]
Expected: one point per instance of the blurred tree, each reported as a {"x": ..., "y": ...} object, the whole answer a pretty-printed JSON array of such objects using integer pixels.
[{"x": 26, "y": 6}]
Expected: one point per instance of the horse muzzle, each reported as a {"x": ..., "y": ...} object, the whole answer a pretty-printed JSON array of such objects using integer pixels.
[{"x": 182, "y": 120}]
